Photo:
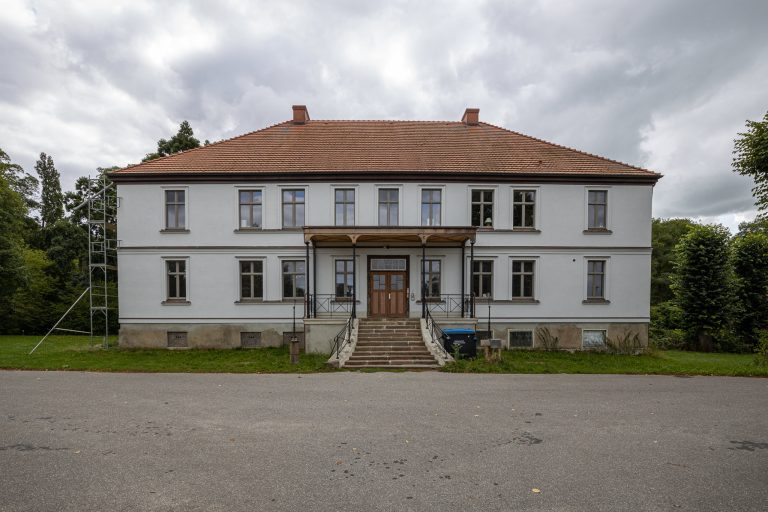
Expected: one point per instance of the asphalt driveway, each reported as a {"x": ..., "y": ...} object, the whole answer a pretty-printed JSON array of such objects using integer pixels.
[{"x": 381, "y": 441}]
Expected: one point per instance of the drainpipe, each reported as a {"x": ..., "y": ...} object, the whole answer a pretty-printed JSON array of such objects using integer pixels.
[
  {"x": 471, "y": 270},
  {"x": 314, "y": 280},
  {"x": 354, "y": 281},
  {"x": 423, "y": 284},
  {"x": 463, "y": 276},
  {"x": 307, "y": 294}
]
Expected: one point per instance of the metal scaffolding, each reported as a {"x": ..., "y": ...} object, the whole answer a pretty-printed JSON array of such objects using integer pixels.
[{"x": 101, "y": 211}]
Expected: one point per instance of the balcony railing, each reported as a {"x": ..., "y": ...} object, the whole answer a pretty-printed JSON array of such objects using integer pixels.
[
  {"x": 448, "y": 304},
  {"x": 329, "y": 305}
]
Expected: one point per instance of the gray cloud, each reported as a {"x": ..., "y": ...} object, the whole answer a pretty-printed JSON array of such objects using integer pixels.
[{"x": 665, "y": 85}]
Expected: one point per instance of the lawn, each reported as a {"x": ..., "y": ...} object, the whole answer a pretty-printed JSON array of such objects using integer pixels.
[
  {"x": 669, "y": 362},
  {"x": 75, "y": 353}
]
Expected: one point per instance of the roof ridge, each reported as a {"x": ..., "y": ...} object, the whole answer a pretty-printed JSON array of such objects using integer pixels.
[{"x": 570, "y": 148}]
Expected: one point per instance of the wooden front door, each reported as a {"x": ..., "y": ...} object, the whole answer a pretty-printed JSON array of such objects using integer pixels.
[{"x": 388, "y": 293}]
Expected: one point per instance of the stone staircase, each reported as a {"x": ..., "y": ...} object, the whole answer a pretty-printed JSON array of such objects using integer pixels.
[{"x": 390, "y": 343}]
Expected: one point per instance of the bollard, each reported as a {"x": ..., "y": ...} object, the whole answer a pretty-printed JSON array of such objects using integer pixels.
[{"x": 294, "y": 350}]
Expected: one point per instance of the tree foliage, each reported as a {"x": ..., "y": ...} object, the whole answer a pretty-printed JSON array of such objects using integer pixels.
[
  {"x": 13, "y": 210},
  {"x": 51, "y": 198},
  {"x": 750, "y": 266},
  {"x": 20, "y": 181},
  {"x": 702, "y": 285},
  {"x": 751, "y": 159},
  {"x": 182, "y": 141},
  {"x": 666, "y": 233}
]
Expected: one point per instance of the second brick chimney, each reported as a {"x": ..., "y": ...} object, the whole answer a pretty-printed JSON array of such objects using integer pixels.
[
  {"x": 471, "y": 117},
  {"x": 300, "y": 114}
]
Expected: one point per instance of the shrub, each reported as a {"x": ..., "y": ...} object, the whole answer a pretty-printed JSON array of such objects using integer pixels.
[
  {"x": 761, "y": 350},
  {"x": 546, "y": 341},
  {"x": 628, "y": 344}
]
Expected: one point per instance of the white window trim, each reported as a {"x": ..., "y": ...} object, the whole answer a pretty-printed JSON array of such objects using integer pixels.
[
  {"x": 494, "y": 276},
  {"x": 262, "y": 189},
  {"x": 533, "y": 338},
  {"x": 605, "y": 339},
  {"x": 280, "y": 259},
  {"x": 606, "y": 280},
  {"x": 495, "y": 188},
  {"x": 280, "y": 190},
  {"x": 608, "y": 209},
  {"x": 165, "y": 299},
  {"x": 400, "y": 203},
  {"x": 536, "y": 207},
  {"x": 525, "y": 257},
  {"x": 264, "y": 279},
  {"x": 441, "y": 188},
  {"x": 187, "y": 220},
  {"x": 354, "y": 187},
  {"x": 441, "y": 259}
]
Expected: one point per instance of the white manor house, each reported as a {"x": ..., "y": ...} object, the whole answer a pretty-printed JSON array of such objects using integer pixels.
[{"x": 327, "y": 224}]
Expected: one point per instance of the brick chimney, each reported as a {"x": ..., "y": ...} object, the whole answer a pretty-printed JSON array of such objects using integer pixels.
[
  {"x": 471, "y": 117},
  {"x": 300, "y": 114}
]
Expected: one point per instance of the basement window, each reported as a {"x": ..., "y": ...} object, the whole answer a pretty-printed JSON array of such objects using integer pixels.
[
  {"x": 593, "y": 338},
  {"x": 177, "y": 339},
  {"x": 250, "y": 339},
  {"x": 520, "y": 339}
]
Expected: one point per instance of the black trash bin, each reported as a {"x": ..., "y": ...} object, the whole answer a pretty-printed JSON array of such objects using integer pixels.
[{"x": 463, "y": 339}]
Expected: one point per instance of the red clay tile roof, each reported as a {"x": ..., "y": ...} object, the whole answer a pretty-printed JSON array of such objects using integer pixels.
[{"x": 365, "y": 147}]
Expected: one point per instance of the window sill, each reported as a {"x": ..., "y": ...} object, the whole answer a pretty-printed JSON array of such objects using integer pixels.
[
  {"x": 524, "y": 301},
  {"x": 172, "y": 302},
  {"x": 525, "y": 230},
  {"x": 248, "y": 230},
  {"x": 297, "y": 228},
  {"x": 597, "y": 231},
  {"x": 172, "y": 230},
  {"x": 249, "y": 301},
  {"x": 596, "y": 301}
]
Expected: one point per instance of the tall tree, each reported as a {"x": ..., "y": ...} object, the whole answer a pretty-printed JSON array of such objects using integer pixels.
[
  {"x": 666, "y": 233},
  {"x": 51, "y": 198},
  {"x": 183, "y": 140},
  {"x": 20, "y": 181},
  {"x": 751, "y": 159},
  {"x": 701, "y": 284},
  {"x": 12, "y": 270},
  {"x": 750, "y": 266}
]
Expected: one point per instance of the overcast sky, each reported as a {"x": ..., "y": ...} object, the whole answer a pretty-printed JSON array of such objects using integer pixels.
[{"x": 663, "y": 84}]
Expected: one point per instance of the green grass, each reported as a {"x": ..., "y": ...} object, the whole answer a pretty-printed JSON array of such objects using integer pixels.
[
  {"x": 75, "y": 353},
  {"x": 670, "y": 362}
]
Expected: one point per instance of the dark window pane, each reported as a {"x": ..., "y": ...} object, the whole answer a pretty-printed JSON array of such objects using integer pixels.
[
  {"x": 476, "y": 215},
  {"x": 258, "y": 287},
  {"x": 516, "y": 287},
  {"x": 299, "y": 215},
  {"x": 182, "y": 286},
  {"x": 528, "y": 286},
  {"x": 245, "y": 286},
  {"x": 530, "y": 196},
  {"x": 528, "y": 221},
  {"x": 486, "y": 284},
  {"x": 488, "y": 215},
  {"x": 517, "y": 215},
  {"x": 287, "y": 286}
]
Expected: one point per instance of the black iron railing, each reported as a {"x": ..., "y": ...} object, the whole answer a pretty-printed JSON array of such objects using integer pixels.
[
  {"x": 328, "y": 305},
  {"x": 435, "y": 333},
  {"x": 448, "y": 304},
  {"x": 343, "y": 337}
]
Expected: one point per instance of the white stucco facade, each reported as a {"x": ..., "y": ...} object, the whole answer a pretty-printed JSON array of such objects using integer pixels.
[{"x": 559, "y": 245}]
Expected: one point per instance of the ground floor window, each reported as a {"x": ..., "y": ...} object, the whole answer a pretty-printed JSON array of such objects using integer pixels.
[
  {"x": 432, "y": 279},
  {"x": 344, "y": 278},
  {"x": 294, "y": 279},
  {"x": 251, "y": 280},
  {"x": 482, "y": 279},
  {"x": 177, "y": 279},
  {"x": 593, "y": 338},
  {"x": 522, "y": 279}
]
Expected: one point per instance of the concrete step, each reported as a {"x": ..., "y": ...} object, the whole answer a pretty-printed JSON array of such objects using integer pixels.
[
  {"x": 389, "y": 343},
  {"x": 403, "y": 365}
]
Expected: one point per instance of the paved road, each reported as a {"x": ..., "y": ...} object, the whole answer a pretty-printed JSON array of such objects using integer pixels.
[{"x": 381, "y": 441}]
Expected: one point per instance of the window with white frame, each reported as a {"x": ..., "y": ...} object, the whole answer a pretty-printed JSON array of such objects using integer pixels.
[
  {"x": 389, "y": 206},
  {"x": 293, "y": 208},
  {"x": 251, "y": 280},
  {"x": 597, "y": 209},
  {"x": 432, "y": 276},
  {"x": 294, "y": 279},
  {"x": 593, "y": 338},
  {"x": 176, "y": 273},
  {"x": 482, "y": 208},
  {"x": 175, "y": 209},
  {"x": 482, "y": 279},
  {"x": 522, "y": 279},
  {"x": 431, "y": 206},
  {"x": 524, "y": 209},
  {"x": 344, "y": 279},
  {"x": 596, "y": 279},
  {"x": 344, "y": 206},
  {"x": 250, "y": 202}
]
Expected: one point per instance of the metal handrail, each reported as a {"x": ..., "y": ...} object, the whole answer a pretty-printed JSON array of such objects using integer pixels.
[
  {"x": 435, "y": 332},
  {"x": 343, "y": 337},
  {"x": 329, "y": 304},
  {"x": 450, "y": 303}
]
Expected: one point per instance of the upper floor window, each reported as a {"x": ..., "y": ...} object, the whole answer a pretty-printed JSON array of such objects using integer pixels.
[
  {"x": 344, "y": 278},
  {"x": 431, "y": 204},
  {"x": 595, "y": 279},
  {"x": 176, "y": 271},
  {"x": 523, "y": 208},
  {"x": 432, "y": 279},
  {"x": 389, "y": 205},
  {"x": 522, "y": 279},
  {"x": 482, "y": 208},
  {"x": 175, "y": 209},
  {"x": 251, "y": 280},
  {"x": 293, "y": 208},
  {"x": 250, "y": 209},
  {"x": 597, "y": 209},
  {"x": 482, "y": 279},
  {"x": 345, "y": 206}
]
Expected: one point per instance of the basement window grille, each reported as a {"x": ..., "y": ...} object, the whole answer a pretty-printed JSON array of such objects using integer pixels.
[{"x": 177, "y": 339}]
